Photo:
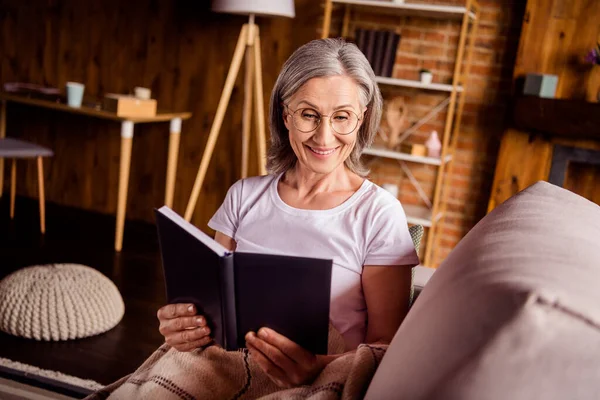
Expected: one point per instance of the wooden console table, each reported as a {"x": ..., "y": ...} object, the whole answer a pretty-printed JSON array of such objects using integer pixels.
[{"x": 127, "y": 125}]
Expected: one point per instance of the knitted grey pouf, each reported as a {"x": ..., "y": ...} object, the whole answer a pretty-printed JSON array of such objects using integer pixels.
[{"x": 58, "y": 302}]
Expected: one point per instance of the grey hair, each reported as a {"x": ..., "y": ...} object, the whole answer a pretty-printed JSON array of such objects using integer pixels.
[{"x": 320, "y": 58}]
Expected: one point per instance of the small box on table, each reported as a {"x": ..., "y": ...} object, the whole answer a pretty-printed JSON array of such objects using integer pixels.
[{"x": 129, "y": 106}]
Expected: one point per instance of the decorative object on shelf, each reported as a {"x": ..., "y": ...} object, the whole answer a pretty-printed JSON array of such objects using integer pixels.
[
  {"x": 395, "y": 116},
  {"x": 59, "y": 302},
  {"x": 75, "y": 94},
  {"x": 426, "y": 76},
  {"x": 248, "y": 44},
  {"x": 434, "y": 146},
  {"x": 414, "y": 149},
  {"x": 541, "y": 85}
]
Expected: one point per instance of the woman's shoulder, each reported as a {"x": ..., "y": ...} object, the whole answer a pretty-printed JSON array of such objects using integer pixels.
[
  {"x": 378, "y": 196},
  {"x": 378, "y": 202},
  {"x": 253, "y": 184},
  {"x": 249, "y": 190}
]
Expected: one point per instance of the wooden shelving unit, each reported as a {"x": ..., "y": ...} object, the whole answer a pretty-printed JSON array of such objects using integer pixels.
[
  {"x": 424, "y": 10},
  {"x": 396, "y": 155},
  {"x": 439, "y": 87},
  {"x": 432, "y": 213}
]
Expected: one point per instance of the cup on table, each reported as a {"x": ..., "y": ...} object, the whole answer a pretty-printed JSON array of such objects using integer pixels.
[
  {"x": 141, "y": 93},
  {"x": 75, "y": 94}
]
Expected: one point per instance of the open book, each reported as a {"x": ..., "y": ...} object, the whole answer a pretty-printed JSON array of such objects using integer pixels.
[{"x": 241, "y": 292}]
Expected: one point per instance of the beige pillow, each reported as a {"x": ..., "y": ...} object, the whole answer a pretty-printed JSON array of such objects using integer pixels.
[{"x": 512, "y": 313}]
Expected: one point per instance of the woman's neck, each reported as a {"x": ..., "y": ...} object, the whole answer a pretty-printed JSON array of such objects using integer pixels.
[{"x": 308, "y": 183}]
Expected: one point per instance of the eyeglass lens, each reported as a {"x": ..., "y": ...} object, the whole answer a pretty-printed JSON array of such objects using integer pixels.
[{"x": 342, "y": 121}]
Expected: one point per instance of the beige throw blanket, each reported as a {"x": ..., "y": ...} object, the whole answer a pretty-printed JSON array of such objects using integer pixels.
[{"x": 213, "y": 373}]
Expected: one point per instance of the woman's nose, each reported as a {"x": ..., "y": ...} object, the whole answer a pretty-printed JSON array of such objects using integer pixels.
[{"x": 324, "y": 133}]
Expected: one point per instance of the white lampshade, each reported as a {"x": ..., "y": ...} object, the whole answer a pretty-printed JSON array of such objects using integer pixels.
[{"x": 281, "y": 8}]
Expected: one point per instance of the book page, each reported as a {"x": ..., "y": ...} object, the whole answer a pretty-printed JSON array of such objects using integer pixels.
[{"x": 192, "y": 230}]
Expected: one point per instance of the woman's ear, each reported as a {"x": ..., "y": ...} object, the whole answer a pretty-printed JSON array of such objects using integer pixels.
[
  {"x": 362, "y": 117},
  {"x": 284, "y": 115}
]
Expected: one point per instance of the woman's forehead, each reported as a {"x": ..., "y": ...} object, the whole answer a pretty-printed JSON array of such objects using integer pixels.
[{"x": 328, "y": 92}]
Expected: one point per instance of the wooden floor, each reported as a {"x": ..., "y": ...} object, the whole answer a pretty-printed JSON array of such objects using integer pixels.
[{"x": 76, "y": 236}]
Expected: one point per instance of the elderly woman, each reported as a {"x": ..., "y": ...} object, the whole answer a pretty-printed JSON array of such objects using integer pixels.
[{"x": 325, "y": 109}]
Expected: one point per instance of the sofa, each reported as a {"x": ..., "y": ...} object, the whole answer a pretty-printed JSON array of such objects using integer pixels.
[{"x": 512, "y": 313}]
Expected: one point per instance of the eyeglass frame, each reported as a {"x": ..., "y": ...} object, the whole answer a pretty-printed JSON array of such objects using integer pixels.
[{"x": 321, "y": 118}]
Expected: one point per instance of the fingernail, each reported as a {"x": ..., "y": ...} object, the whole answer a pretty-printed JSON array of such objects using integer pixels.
[
  {"x": 200, "y": 321},
  {"x": 249, "y": 335},
  {"x": 263, "y": 333},
  {"x": 191, "y": 308}
]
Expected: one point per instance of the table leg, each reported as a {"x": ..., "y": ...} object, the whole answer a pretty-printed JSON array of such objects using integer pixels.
[
  {"x": 126, "y": 141},
  {"x": 41, "y": 194},
  {"x": 2, "y": 135},
  {"x": 174, "y": 137},
  {"x": 13, "y": 187}
]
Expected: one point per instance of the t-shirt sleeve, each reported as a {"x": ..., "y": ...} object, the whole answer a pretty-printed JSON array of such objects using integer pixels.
[
  {"x": 227, "y": 217},
  {"x": 390, "y": 242}
]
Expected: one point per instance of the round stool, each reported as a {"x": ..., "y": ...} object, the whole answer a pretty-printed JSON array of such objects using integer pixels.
[{"x": 58, "y": 302}]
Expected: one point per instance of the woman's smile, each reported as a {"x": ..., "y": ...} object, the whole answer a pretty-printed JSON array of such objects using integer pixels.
[{"x": 322, "y": 152}]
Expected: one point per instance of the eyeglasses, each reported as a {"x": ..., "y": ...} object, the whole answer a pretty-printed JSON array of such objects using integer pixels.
[{"x": 306, "y": 120}]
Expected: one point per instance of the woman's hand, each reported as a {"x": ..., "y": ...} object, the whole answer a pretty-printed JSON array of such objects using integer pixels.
[
  {"x": 285, "y": 362},
  {"x": 182, "y": 328}
]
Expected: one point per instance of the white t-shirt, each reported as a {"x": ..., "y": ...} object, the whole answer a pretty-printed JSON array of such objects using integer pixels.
[{"x": 369, "y": 228}]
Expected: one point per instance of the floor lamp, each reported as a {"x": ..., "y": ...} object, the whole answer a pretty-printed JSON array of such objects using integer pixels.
[{"x": 248, "y": 44}]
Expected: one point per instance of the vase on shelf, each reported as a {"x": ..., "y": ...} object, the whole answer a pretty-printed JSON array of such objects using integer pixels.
[{"x": 434, "y": 146}]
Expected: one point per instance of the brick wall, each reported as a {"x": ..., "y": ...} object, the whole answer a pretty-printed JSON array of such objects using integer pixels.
[{"x": 432, "y": 44}]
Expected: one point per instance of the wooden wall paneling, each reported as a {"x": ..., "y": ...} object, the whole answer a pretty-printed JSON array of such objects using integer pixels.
[
  {"x": 180, "y": 50},
  {"x": 582, "y": 178},
  {"x": 522, "y": 161},
  {"x": 555, "y": 37}
]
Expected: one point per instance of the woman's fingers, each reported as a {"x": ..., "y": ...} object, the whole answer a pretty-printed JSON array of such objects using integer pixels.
[
  {"x": 274, "y": 373},
  {"x": 289, "y": 348},
  {"x": 178, "y": 324},
  {"x": 194, "y": 345},
  {"x": 276, "y": 356},
  {"x": 171, "y": 311},
  {"x": 187, "y": 336}
]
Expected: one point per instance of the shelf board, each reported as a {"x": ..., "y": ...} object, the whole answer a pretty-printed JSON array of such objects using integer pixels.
[
  {"x": 387, "y": 153},
  {"x": 417, "y": 9},
  {"x": 440, "y": 87},
  {"x": 419, "y": 215}
]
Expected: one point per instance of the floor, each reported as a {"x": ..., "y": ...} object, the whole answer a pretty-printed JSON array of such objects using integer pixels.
[
  {"x": 12, "y": 390},
  {"x": 77, "y": 236}
]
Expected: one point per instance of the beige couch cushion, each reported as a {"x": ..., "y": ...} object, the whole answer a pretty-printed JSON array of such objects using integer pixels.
[{"x": 512, "y": 313}]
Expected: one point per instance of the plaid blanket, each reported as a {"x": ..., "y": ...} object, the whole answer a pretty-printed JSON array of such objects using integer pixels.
[{"x": 213, "y": 373}]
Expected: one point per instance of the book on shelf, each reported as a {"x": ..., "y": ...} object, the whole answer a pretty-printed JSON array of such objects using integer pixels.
[
  {"x": 379, "y": 47},
  {"x": 370, "y": 46},
  {"x": 239, "y": 292},
  {"x": 361, "y": 39},
  {"x": 389, "y": 58},
  {"x": 380, "y": 37}
]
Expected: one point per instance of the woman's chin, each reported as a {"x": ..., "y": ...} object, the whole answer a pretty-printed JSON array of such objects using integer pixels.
[{"x": 321, "y": 167}]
